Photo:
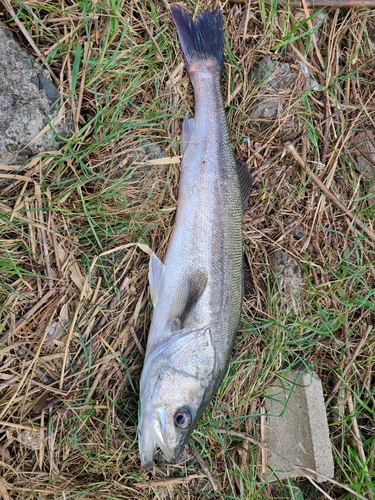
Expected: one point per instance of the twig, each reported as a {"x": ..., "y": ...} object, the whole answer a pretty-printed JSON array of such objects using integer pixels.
[
  {"x": 330, "y": 195},
  {"x": 323, "y": 158},
  {"x": 55, "y": 247},
  {"x": 352, "y": 358},
  {"x": 32, "y": 490},
  {"x": 16, "y": 177},
  {"x": 205, "y": 469},
  {"x": 17, "y": 426},
  {"x": 302, "y": 469},
  {"x": 24, "y": 31},
  {"x": 77, "y": 115},
  {"x": 38, "y": 196},
  {"x": 263, "y": 434}
]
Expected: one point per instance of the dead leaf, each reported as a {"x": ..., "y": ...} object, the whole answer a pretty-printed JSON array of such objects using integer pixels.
[
  {"x": 54, "y": 331},
  {"x": 77, "y": 277},
  {"x": 4, "y": 455}
]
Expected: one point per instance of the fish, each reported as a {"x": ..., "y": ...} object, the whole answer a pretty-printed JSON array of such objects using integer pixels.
[{"x": 197, "y": 292}]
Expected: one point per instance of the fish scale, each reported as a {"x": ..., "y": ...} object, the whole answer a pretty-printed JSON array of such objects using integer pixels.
[{"x": 197, "y": 292}]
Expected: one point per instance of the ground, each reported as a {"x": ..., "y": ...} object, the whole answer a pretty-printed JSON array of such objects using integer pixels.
[{"x": 78, "y": 228}]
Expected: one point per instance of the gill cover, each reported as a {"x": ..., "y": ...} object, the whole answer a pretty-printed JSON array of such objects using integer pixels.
[{"x": 176, "y": 375}]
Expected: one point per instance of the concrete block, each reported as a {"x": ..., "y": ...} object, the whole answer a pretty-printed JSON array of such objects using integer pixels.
[{"x": 297, "y": 427}]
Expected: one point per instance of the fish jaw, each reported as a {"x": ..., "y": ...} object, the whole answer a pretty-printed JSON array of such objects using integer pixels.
[{"x": 152, "y": 434}]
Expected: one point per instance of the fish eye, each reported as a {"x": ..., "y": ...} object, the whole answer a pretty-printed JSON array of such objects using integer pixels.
[{"x": 182, "y": 418}]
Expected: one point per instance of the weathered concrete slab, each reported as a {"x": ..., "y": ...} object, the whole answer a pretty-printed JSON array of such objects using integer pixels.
[
  {"x": 29, "y": 101},
  {"x": 297, "y": 427}
]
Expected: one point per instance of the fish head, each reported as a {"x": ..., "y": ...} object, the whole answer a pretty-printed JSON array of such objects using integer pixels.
[{"x": 176, "y": 386}]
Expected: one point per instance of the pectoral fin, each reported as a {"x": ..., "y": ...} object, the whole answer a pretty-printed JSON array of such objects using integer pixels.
[
  {"x": 187, "y": 296},
  {"x": 155, "y": 277}
]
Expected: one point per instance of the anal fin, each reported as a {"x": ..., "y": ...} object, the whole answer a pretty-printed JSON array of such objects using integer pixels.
[
  {"x": 187, "y": 132},
  {"x": 155, "y": 277}
]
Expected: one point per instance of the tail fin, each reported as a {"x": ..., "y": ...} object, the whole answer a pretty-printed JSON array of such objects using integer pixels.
[{"x": 201, "y": 39}]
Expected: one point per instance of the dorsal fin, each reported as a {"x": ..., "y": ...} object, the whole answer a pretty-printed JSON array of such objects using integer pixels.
[
  {"x": 246, "y": 181},
  {"x": 187, "y": 296}
]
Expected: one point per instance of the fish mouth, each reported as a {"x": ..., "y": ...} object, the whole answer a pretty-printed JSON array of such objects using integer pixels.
[{"x": 152, "y": 434}]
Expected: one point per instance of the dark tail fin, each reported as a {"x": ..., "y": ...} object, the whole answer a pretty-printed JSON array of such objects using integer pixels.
[{"x": 201, "y": 39}]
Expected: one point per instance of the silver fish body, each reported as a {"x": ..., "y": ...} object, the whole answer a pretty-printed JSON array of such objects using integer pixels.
[{"x": 197, "y": 292}]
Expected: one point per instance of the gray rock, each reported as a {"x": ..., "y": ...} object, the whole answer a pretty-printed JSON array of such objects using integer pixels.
[
  {"x": 275, "y": 83},
  {"x": 28, "y": 102},
  {"x": 299, "y": 233},
  {"x": 266, "y": 108},
  {"x": 273, "y": 75}
]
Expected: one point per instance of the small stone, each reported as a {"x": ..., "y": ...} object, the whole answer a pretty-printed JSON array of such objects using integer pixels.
[
  {"x": 30, "y": 439},
  {"x": 267, "y": 108},
  {"x": 11, "y": 148},
  {"x": 298, "y": 233},
  {"x": 51, "y": 91}
]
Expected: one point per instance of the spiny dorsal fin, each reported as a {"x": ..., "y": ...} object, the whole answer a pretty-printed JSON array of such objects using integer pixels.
[
  {"x": 246, "y": 181},
  {"x": 189, "y": 294}
]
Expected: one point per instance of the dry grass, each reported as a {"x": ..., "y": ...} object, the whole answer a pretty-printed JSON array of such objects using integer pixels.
[{"x": 76, "y": 234}]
